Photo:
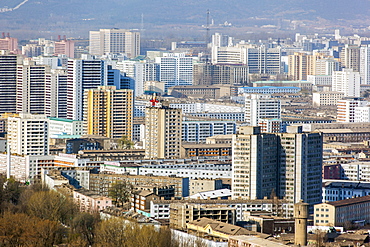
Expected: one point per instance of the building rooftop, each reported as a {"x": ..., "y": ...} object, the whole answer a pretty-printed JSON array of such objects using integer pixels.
[
  {"x": 221, "y": 227},
  {"x": 350, "y": 201},
  {"x": 211, "y": 194}
]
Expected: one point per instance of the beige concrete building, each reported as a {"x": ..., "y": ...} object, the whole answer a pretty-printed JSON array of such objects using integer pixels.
[
  {"x": 301, "y": 65},
  {"x": 163, "y": 130},
  {"x": 115, "y": 41},
  {"x": 202, "y": 91},
  {"x": 342, "y": 213},
  {"x": 108, "y": 112},
  {"x": 183, "y": 213},
  {"x": 200, "y": 185},
  {"x": 326, "y": 98},
  {"x": 100, "y": 183}
]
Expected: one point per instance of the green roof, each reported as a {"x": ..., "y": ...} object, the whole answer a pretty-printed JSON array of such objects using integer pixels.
[{"x": 62, "y": 119}]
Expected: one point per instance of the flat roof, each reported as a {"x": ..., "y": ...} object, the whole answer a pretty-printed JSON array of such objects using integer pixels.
[
  {"x": 350, "y": 201},
  {"x": 62, "y": 119}
]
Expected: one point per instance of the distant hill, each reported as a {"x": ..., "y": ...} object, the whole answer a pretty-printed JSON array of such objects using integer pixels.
[{"x": 49, "y": 14}]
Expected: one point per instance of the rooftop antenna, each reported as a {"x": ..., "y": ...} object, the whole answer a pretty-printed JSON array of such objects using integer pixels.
[
  {"x": 207, "y": 28},
  {"x": 207, "y": 37}
]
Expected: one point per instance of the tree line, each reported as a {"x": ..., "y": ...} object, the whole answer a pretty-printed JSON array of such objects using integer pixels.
[{"x": 36, "y": 216}]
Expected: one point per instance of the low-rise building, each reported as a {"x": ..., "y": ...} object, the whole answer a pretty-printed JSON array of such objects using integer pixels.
[
  {"x": 275, "y": 206},
  {"x": 326, "y": 98},
  {"x": 200, "y": 91},
  {"x": 252, "y": 241},
  {"x": 336, "y": 190},
  {"x": 343, "y": 212},
  {"x": 215, "y": 229},
  {"x": 87, "y": 201},
  {"x": 205, "y": 150},
  {"x": 268, "y": 90},
  {"x": 183, "y": 213},
  {"x": 100, "y": 183},
  {"x": 198, "y": 131},
  {"x": 201, "y": 185}
]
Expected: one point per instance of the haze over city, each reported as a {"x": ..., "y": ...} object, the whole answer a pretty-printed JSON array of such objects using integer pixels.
[{"x": 185, "y": 123}]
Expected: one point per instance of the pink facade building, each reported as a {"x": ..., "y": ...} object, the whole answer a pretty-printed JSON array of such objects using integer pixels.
[
  {"x": 65, "y": 47},
  {"x": 90, "y": 202},
  {"x": 10, "y": 44}
]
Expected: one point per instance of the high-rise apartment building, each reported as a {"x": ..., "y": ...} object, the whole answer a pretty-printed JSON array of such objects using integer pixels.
[
  {"x": 34, "y": 89},
  {"x": 175, "y": 69},
  {"x": 83, "y": 75},
  {"x": 108, "y": 112},
  {"x": 209, "y": 74},
  {"x": 350, "y": 57},
  {"x": 65, "y": 47},
  {"x": 59, "y": 79},
  {"x": 10, "y": 44},
  {"x": 301, "y": 65},
  {"x": 163, "y": 131},
  {"x": 28, "y": 134},
  {"x": 8, "y": 81},
  {"x": 326, "y": 66},
  {"x": 286, "y": 164},
  {"x": 221, "y": 40},
  {"x": 347, "y": 81},
  {"x": 365, "y": 64},
  {"x": 259, "y": 106},
  {"x": 346, "y": 108},
  {"x": 255, "y": 161},
  {"x": 259, "y": 59},
  {"x": 115, "y": 41},
  {"x": 300, "y": 165}
]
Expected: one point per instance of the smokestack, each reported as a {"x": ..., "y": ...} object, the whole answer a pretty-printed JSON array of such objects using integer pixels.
[
  {"x": 3, "y": 35},
  {"x": 8, "y": 35},
  {"x": 65, "y": 38},
  {"x": 58, "y": 37},
  {"x": 8, "y": 162}
]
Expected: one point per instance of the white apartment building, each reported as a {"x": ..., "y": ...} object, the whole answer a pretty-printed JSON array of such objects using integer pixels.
[
  {"x": 34, "y": 89},
  {"x": 261, "y": 106},
  {"x": 206, "y": 107},
  {"x": 259, "y": 59},
  {"x": 347, "y": 81},
  {"x": 232, "y": 116},
  {"x": 365, "y": 64},
  {"x": 362, "y": 114},
  {"x": 175, "y": 69},
  {"x": 115, "y": 41},
  {"x": 60, "y": 126},
  {"x": 323, "y": 80},
  {"x": 346, "y": 108},
  {"x": 145, "y": 72},
  {"x": 198, "y": 131},
  {"x": 326, "y": 66},
  {"x": 356, "y": 171},
  {"x": 28, "y": 134},
  {"x": 326, "y": 98},
  {"x": 192, "y": 171},
  {"x": 82, "y": 75}
]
